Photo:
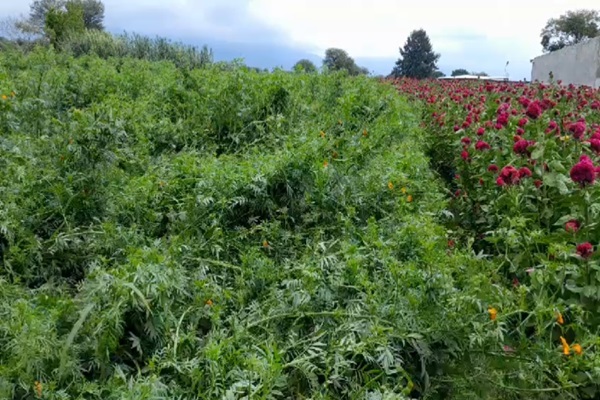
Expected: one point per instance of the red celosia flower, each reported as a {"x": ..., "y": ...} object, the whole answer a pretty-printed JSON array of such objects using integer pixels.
[
  {"x": 480, "y": 131},
  {"x": 482, "y": 145},
  {"x": 583, "y": 172},
  {"x": 510, "y": 175},
  {"x": 466, "y": 141},
  {"x": 523, "y": 122},
  {"x": 572, "y": 226},
  {"x": 585, "y": 250},
  {"x": 595, "y": 144},
  {"x": 537, "y": 183},
  {"x": 534, "y": 110},
  {"x": 503, "y": 119},
  {"x": 456, "y": 128},
  {"x": 520, "y": 131},
  {"x": 522, "y": 146},
  {"x": 493, "y": 168},
  {"x": 465, "y": 155},
  {"x": 500, "y": 182},
  {"x": 524, "y": 172},
  {"x": 577, "y": 129}
]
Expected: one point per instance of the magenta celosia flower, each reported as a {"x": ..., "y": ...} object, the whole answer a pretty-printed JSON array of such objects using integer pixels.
[
  {"x": 595, "y": 145},
  {"x": 510, "y": 175},
  {"x": 585, "y": 250},
  {"x": 466, "y": 141},
  {"x": 583, "y": 172},
  {"x": 572, "y": 226},
  {"x": 465, "y": 155},
  {"x": 482, "y": 145},
  {"x": 534, "y": 110},
  {"x": 577, "y": 129},
  {"x": 524, "y": 172},
  {"x": 522, "y": 146},
  {"x": 493, "y": 168}
]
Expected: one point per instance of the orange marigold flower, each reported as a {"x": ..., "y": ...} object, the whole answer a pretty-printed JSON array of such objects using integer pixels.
[
  {"x": 365, "y": 133},
  {"x": 390, "y": 185},
  {"x": 209, "y": 302},
  {"x": 265, "y": 244},
  {"x": 559, "y": 318},
  {"x": 493, "y": 313},
  {"x": 322, "y": 134},
  {"x": 4, "y": 97},
  {"x": 578, "y": 349},
  {"x": 335, "y": 154},
  {"x": 37, "y": 386},
  {"x": 325, "y": 163},
  {"x": 565, "y": 346},
  {"x": 403, "y": 190},
  {"x": 409, "y": 198}
]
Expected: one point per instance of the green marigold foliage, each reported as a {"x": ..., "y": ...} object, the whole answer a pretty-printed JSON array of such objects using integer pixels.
[{"x": 176, "y": 233}]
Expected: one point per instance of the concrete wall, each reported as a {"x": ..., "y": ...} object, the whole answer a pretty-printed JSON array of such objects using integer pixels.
[{"x": 578, "y": 64}]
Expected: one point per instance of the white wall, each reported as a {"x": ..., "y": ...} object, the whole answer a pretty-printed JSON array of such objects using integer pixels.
[{"x": 578, "y": 64}]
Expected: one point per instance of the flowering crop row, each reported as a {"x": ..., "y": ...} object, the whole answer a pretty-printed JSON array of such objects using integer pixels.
[{"x": 522, "y": 163}]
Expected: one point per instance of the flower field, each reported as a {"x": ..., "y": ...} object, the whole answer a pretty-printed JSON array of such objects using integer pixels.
[
  {"x": 169, "y": 232},
  {"x": 521, "y": 164}
]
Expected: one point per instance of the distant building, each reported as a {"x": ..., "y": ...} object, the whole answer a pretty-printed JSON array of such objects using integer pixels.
[{"x": 578, "y": 64}]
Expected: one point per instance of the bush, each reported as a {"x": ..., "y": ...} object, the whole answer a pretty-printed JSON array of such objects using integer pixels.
[{"x": 105, "y": 45}]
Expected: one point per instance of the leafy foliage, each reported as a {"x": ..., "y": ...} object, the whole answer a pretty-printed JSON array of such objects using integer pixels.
[
  {"x": 570, "y": 28},
  {"x": 211, "y": 233},
  {"x": 60, "y": 23},
  {"x": 339, "y": 60},
  {"x": 305, "y": 65},
  {"x": 106, "y": 45}
]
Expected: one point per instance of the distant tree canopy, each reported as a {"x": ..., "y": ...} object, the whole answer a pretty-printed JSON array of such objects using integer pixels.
[
  {"x": 462, "y": 71},
  {"x": 417, "y": 57},
  {"x": 459, "y": 71},
  {"x": 438, "y": 74},
  {"x": 305, "y": 65},
  {"x": 570, "y": 28},
  {"x": 60, "y": 23},
  {"x": 338, "y": 60},
  {"x": 92, "y": 14}
]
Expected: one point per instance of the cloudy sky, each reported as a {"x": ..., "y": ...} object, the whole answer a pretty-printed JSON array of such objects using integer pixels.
[{"x": 479, "y": 35}]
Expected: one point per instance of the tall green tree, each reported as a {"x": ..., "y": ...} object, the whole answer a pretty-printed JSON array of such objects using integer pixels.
[
  {"x": 93, "y": 14},
  {"x": 62, "y": 22},
  {"x": 338, "y": 60},
  {"x": 570, "y": 28},
  {"x": 417, "y": 58}
]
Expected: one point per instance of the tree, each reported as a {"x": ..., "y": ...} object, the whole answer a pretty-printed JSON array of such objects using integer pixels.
[
  {"x": 479, "y": 73},
  {"x": 93, "y": 14},
  {"x": 570, "y": 28},
  {"x": 438, "y": 74},
  {"x": 305, "y": 65},
  {"x": 417, "y": 57},
  {"x": 338, "y": 60},
  {"x": 60, "y": 23},
  {"x": 459, "y": 71}
]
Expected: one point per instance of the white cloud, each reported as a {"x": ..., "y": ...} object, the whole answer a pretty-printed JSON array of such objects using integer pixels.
[{"x": 377, "y": 28}]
